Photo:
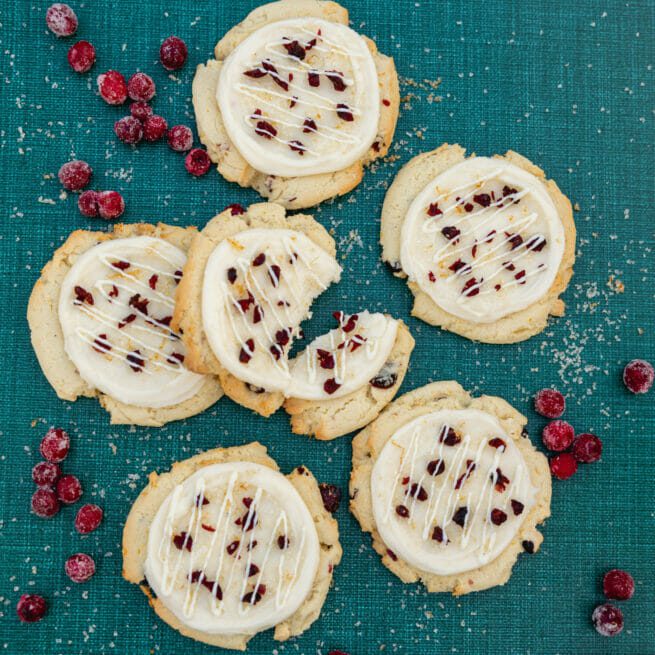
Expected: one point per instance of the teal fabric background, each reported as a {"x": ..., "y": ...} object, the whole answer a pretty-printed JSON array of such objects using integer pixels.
[{"x": 570, "y": 85}]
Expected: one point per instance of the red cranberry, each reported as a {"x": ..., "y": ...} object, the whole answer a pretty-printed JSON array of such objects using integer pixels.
[
  {"x": 638, "y": 376},
  {"x": 31, "y": 608},
  {"x": 154, "y": 128},
  {"x": 587, "y": 448},
  {"x": 618, "y": 585},
  {"x": 61, "y": 19},
  {"x": 338, "y": 652},
  {"x": 88, "y": 203},
  {"x": 80, "y": 567},
  {"x": 180, "y": 138},
  {"x": 75, "y": 175},
  {"x": 558, "y": 435},
  {"x": 608, "y": 620},
  {"x": 81, "y": 56},
  {"x": 173, "y": 53},
  {"x": 88, "y": 518},
  {"x": 331, "y": 496},
  {"x": 140, "y": 110},
  {"x": 45, "y": 474},
  {"x": 549, "y": 403},
  {"x": 69, "y": 489},
  {"x": 45, "y": 503},
  {"x": 197, "y": 162},
  {"x": 55, "y": 445},
  {"x": 129, "y": 129},
  {"x": 563, "y": 466},
  {"x": 110, "y": 205},
  {"x": 141, "y": 87},
  {"x": 112, "y": 87}
]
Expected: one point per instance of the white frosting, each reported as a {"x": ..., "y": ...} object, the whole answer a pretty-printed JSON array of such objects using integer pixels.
[
  {"x": 348, "y": 356},
  {"x": 492, "y": 259},
  {"x": 278, "y": 554},
  {"x": 278, "y": 121},
  {"x": 466, "y": 474},
  {"x": 118, "y": 336},
  {"x": 276, "y": 295}
]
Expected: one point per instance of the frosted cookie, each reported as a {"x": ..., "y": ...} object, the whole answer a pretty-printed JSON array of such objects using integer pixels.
[
  {"x": 225, "y": 547},
  {"x": 249, "y": 281},
  {"x": 487, "y": 243},
  {"x": 449, "y": 488},
  {"x": 296, "y": 103},
  {"x": 344, "y": 378},
  {"x": 100, "y": 319}
]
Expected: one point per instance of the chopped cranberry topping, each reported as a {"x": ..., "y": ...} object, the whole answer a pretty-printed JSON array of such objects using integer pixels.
[
  {"x": 141, "y": 87},
  {"x": 265, "y": 129},
  {"x": 309, "y": 125},
  {"x": 274, "y": 273},
  {"x": 31, "y": 608},
  {"x": 282, "y": 338},
  {"x": 253, "y": 569},
  {"x": 558, "y": 435},
  {"x": 61, "y": 19},
  {"x": 254, "y": 596},
  {"x": 458, "y": 265},
  {"x": 282, "y": 542},
  {"x": 471, "y": 288},
  {"x": 436, "y": 467},
  {"x": 345, "y": 113},
  {"x": 330, "y": 385},
  {"x": 450, "y": 232},
  {"x": 248, "y": 521},
  {"x": 55, "y": 445},
  {"x": 207, "y": 527},
  {"x": 549, "y": 403},
  {"x": 110, "y": 205},
  {"x": 129, "y": 129},
  {"x": 88, "y": 518},
  {"x": 439, "y": 535},
  {"x": 459, "y": 517},
  {"x": 139, "y": 303},
  {"x": 154, "y": 128},
  {"x": 517, "y": 507},
  {"x": 87, "y": 203},
  {"x": 112, "y": 87},
  {"x": 563, "y": 466},
  {"x": 197, "y": 162},
  {"x": 256, "y": 72},
  {"x": 386, "y": 378},
  {"x": 297, "y": 146},
  {"x": 173, "y": 53},
  {"x": 245, "y": 354},
  {"x": 509, "y": 191},
  {"x": 536, "y": 243},
  {"x": 75, "y": 175},
  {"x": 608, "y": 620},
  {"x": 325, "y": 359},
  {"x": 45, "y": 503},
  {"x": 498, "y": 517},
  {"x": 81, "y": 56},
  {"x": 120, "y": 265},
  {"x": 483, "y": 199},
  {"x": 135, "y": 361},
  {"x": 449, "y": 437},
  {"x": 515, "y": 240},
  {"x": 497, "y": 442},
  {"x": 337, "y": 80},
  {"x": 140, "y": 110},
  {"x": 313, "y": 79},
  {"x": 402, "y": 511},
  {"x": 82, "y": 296},
  {"x": 618, "y": 585},
  {"x": 394, "y": 557},
  {"x": 80, "y": 567},
  {"x": 500, "y": 481},
  {"x": 182, "y": 541},
  {"x": 587, "y": 448},
  {"x": 638, "y": 376},
  {"x": 231, "y": 275},
  {"x": 331, "y": 496},
  {"x": 180, "y": 138},
  {"x": 418, "y": 492},
  {"x": 232, "y": 547},
  {"x": 69, "y": 489},
  {"x": 470, "y": 467},
  {"x": 433, "y": 209},
  {"x": 294, "y": 49},
  {"x": 528, "y": 546},
  {"x": 201, "y": 501},
  {"x": 45, "y": 474},
  {"x": 126, "y": 321}
]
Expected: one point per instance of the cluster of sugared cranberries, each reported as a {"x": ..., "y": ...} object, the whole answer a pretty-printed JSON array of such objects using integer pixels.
[
  {"x": 559, "y": 436},
  {"x": 607, "y": 618}
]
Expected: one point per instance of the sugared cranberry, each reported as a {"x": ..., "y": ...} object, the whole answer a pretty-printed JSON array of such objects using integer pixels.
[
  {"x": 129, "y": 129},
  {"x": 55, "y": 445},
  {"x": 331, "y": 496},
  {"x": 88, "y": 518},
  {"x": 61, "y": 19},
  {"x": 608, "y": 620},
  {"x": 235, "y": 209},
  {"x": 563, "y": 466},
  {"x": 558, "y": 435},
  {"x": 141, "y": 87},
  {"x": 45, "y": 503},
  {"x": 110, "y": 205},
  {"x": 549, "y": 403},
  {"x": 587, "y": 448},
  {"x": 45, "y": 474},
  {"x": 31, "y": 608},
  {"x": 69, "y": 489},
  {"x": 87, "y": 203},
  {"x": 81, "y": 56},
  {"x": 173, "y": 53},
  {"x": 112, "y": 87},
  {"x": 339, "y": 652},
  {"x": 75, "y": 175},
  {"x": 140, "y": 110},
  {"x": 197, "y": 162},
  {"x": 638, "y": 376},
  {"x": 80, "y": 567},
  {"x": 618, "y": 585},
  {"x": 154, "y": 128},
  {"x": 180, "y": 138}
]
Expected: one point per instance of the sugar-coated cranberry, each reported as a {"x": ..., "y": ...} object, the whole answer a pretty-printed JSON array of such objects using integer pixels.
[
  {"x": 45, "y": 474},
  {"x": 563, "y": 466},
  {"x": 69, "y": 489},
  {"x": 587, "y": 448},
  {"x": 129, "y": 129},
  {"x": 55, "y": 445},
  {"x": 638, "y": 376},
  {"x": 558, "y": 435},
  {"x": 608, "y": 620},
  {"x": 140, "y": 110},
  {"x": 154, "y": 128},
  {"x": 618, "y": 584},
  {"x": 87, "y": 203},
  {"x": 75, "y": 175},
  {"x": 331, "y": 496},
  {"x": 141, "y": 87},
  {"x": 80, "y": 567},
  {"x": 197, "y": 162},
  {"x": 31, "y": 608},
  {"x": 112, "y": 87},
  {"x": 45, "y": 503},
  {"x": 173, "y": 53},
  {"x": 110, "y": 205},
  {"x": 549, "y": 403},
  {"x": 180, "y": 138},
  {"x": 337, "y": 652},
  {"x": 81, "y": 56},
  {"x": 88, "y": 518},
  {"x": 61, "y": 19}
]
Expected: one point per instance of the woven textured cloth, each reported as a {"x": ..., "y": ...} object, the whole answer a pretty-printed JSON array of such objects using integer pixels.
[{"x": 569, "y": 85}]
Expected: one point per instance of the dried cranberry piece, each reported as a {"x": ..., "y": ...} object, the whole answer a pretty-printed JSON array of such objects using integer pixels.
[
  {"x": 331, "y": 496},
  {"x": 81, "y": 56},
  {"x": 135, "y": 361},
  {"x": 638, "y": 376},
  {"x": 112, "y": 87},
  {"x": 618, "y": 585},
  {"x": 259, "y": 259},
  {"x": 587, "y": 448},
  {"x": 458, "y": 265},
  {"x": 173, "y": 53},
  {"x": 253, "y": 569},
  {"x": 433, "y": 209},
  {"x": 31, "y": 608},
  {"x": 248, "y": 521},
  {"x": 80, "y": 567},
  {"x": 254, "y": 596},
  {"x": 139, "y": 303},
  {"x": 450, "y": 232},
  {"x": 500, "y": 480},
  {"x": 313, "y": 78},
  {"x": 110, "y": 205},
  {"x": 183, "y": 541},
  {"x": 470, "y": 467},
  {"x": 344, "y": 112},
  {"x": 126, "y": 321},
  {"x": 536, "y": 243},
  {"x": 330, "y": 385},
  {"x": 498, "y": 517},
  {"x": 439, "y": 535},
  {"x": 55, "y": 445},
  {"x": 83, "y": 296},
  {"x": 608, "y": 620},
  {"x": 141, "y": 87},
  {"x": 459, "y": 517},
  {"x": 268, "y": 66},
  {"x": 497, "y": 442},
  {"x": 256, "y": 73},
  {"x": 120, "y": 265},
  {"x": 449, "y": 437},
  {"x": 45, "y": 503},
  {"x": 88, "y": 518},
  {"x": 386, "y": 377},
  {"x": 563, "y": 466},
  {"x": 201, "y": 501},
  {"x": 232, "y": 547},
  {"x": 309, "y": 125},
  {"x": 245, "y": 354},
  {"x": 154, "y": 128},
  {"x": 325, "y": 359},
  {"x": 510, "y": 191},
  {"x": 558, "y": 435},
  {"x": 483, "y": 199},
  {"x": 297, "y": 146},
  {"x": 337, "y": 80},
  {"x": 45, "y": 474},
  {"x": 235, "y": 209},
  {"x": 528, "y": 546},
  {"x": 436, "y": 467},
  {"x": 282, "y": 337},
  {"x": 402, "y": 511},
  {"x": 294, "y": 49},
  {"x": 274, "y": 274},
  {"x": 549, "y": 403},
  {"x": 75, "y": 175},
  {"x": 517, "y": 507},
  {"x": 213, "y": 587},
  {"x": 87, "y": 203},
  {"x": 69, "y": 489},
  {"x": 283, "y": 542},
  {"x": 61, "y": 19},
  {"x": 418, "y": 492},
  {"x": 265, "y": 129},
  {"x": 471, "y": 288},
  {"x": 197, "y": 162},
  {"x": 515, "y": 240}
]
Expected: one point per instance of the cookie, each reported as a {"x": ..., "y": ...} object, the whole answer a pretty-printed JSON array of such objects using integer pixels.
[
  {"x": 344, "y": 378},
  {"x": 249, "y": 281},
  {"x": 100, "y": 318},
  {"x": 225, "y": 547},
  {"x": 296, "y": 103},
  {"x": 450, "y": 488},
  {"x": 487, "y": 243}
]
